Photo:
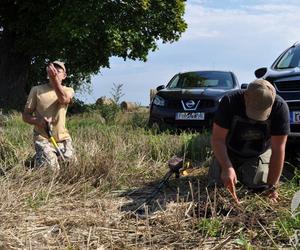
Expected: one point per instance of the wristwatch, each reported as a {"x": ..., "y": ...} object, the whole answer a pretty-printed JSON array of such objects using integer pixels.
[{"x": 271, "y": 188}]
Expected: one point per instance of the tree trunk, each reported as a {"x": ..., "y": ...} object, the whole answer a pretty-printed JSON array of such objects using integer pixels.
[{"x": 14, "y": 70}]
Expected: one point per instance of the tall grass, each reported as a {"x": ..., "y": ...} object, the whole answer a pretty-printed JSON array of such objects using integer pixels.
[
  {"x": 120, "y": 152},
  {"x": 90, "y": 203}
]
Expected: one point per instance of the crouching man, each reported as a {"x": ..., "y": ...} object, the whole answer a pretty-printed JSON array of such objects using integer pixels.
[
  {"x": 249, "y": 138},
  {"x": 47, "y": 105}
]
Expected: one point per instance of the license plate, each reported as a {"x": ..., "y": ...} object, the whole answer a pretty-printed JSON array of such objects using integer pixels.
[
  {"x": 295, "y": 117},
  {"x": 189, "y": 116}
]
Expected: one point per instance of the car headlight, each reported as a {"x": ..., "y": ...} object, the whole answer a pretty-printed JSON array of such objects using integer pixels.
[{"x": 159, "y": 101}]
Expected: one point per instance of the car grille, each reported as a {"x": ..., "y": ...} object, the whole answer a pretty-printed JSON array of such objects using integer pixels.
[
  {"x": 288, "y": 86},
  {"x": 176, "y": 104},
  {"x": 294, "y": 106},
  {"x": 295, "y": 128}
]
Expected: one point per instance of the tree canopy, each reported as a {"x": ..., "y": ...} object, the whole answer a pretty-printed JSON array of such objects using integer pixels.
[{"x": 83, "y": 34}]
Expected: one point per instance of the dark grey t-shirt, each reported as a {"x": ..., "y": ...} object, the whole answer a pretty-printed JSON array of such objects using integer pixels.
[{"x": 246, "y": 137}]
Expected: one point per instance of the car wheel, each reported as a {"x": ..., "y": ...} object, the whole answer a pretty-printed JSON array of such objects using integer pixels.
[
  {"x": 150, "y": 122},
  {"x": 156, "y": 125}
]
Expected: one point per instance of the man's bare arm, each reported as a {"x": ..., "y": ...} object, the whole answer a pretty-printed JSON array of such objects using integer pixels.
[
  {"x": 63, "y": 96},
  {"x": 36, "y": 120},
  {"x": 55, "y": 80},
  {"x": 218, "y": 143},
  {"x": 228, "y": 175},
  {"x": 277, "y": 158}
]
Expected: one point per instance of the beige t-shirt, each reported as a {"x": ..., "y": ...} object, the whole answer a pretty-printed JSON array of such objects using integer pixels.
[{"x": 43, "y": 101}]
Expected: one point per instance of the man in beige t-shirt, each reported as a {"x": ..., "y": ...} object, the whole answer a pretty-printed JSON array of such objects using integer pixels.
[{"x": 48, "y": 103}]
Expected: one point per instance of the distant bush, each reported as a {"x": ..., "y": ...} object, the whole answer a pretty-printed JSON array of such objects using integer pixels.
[
  {"x": 8, "y": 157},
  {"x": 107, "y": 111},
  {"x": 133, "y": 119},
  {"x": 198, "y": 146},
  {"x": 79, "y": 107}
]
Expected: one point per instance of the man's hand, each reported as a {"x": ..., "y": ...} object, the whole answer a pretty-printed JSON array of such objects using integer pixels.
[
  {"x": 229, "y": 180},
  {"x": 228, "y": 176},
  {"x": 42, "y": 122},
  {"x": 52, "y": 73},
  {"x": 273, "y": 196},
  {"x": 56, "y": 76}
]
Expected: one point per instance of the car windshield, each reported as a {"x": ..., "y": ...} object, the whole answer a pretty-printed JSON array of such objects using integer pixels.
[
  {"x": 202, "y": 79},
  {"x": 290, "y": 59}
]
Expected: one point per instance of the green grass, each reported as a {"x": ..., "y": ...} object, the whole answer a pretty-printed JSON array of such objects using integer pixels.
[
  {"x": 36, "y": 200},
  {"x": 210, "y": 226}
]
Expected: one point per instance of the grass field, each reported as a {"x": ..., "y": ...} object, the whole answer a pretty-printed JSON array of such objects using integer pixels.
[{"x": 91, "y": 204}]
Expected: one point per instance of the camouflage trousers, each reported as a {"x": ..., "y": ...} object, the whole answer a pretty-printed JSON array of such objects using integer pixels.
[{"x": 47, "y": 155}]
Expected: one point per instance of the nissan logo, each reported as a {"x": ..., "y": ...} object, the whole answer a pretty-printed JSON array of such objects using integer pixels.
[{"x": 190, "y": 103}]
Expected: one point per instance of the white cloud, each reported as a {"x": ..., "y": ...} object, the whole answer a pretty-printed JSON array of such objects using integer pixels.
[
  {"x": 246, "y": 22},
  {"x": 237, "y": 35}
]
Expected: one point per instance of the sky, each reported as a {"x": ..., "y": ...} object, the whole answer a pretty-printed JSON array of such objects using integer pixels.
[{"x": 232, "y": 35}]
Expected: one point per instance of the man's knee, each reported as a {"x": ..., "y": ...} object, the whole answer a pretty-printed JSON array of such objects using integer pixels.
[
  {"x": 254, "y": 172},
  {"x": 68, "y": 150},
  {"x": 45, "y": 155}
]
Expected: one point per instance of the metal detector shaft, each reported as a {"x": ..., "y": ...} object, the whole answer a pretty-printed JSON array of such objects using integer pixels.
[
  {"x": 159, "y": 187},
  {"x": 54, "y": 143},
  {"x": 175, "y": 164}
]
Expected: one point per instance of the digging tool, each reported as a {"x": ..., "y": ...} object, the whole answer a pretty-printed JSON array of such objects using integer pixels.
[
  {"x": 52, "y": 140},
  {"x": 175, "y": 164}
]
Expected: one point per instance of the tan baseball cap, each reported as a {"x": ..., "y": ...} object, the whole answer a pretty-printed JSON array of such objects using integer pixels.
[
  {"x": 60, "y": 64},
  {"x": 259, "y": 98}
]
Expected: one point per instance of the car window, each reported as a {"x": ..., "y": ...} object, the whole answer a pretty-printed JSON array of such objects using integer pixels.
[
  {"x": 173, "y": 83},
  {"x": 202, "y": 79},
  {"x": 290, "y": 59}
]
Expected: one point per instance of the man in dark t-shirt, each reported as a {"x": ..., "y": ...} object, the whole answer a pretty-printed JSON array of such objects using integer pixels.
[{"x": 249, "y": 137}]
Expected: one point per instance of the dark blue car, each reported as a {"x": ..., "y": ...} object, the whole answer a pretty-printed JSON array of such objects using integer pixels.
[
  {"x": 284, "y": 74},
  {"x": 190, "y": 99}
]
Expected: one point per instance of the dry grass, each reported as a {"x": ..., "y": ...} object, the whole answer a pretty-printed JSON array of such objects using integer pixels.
[{"x": 92, "y": 204}]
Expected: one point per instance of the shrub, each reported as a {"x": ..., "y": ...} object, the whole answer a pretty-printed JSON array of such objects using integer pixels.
[
  {"x": 8, "y": 158},
  {"x": 109, "y": 112},
  {"x": 210, "y": 226}
]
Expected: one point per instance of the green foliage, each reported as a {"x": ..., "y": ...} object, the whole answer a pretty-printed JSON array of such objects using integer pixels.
[
  {"x": 37, "y": 200},
  {"x": 79, "y": 107},
  {"x": 109, "y": 112},
  {"x": 287, "y": 224},
  {"x": 210, "y": 226},
  {"x": 197, "y": 146},
  {"x": 85, "y": 34},
  {"x": 87, "y": 121},
  {"x": 137, "y": 120},
  {"x": 116, "y": 93},
  {"x": 244, "y": 243},
  {"x": 8, "y": 157},
  {"x": 15, "y": 140}
]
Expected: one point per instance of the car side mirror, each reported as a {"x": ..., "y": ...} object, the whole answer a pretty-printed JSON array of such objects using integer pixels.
[
  {"x": 244, "y": 86},
  {"x": 260, "y": 72},
  {"x": 160, "y": 87}
]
